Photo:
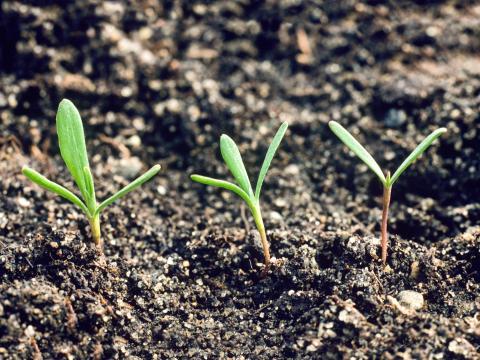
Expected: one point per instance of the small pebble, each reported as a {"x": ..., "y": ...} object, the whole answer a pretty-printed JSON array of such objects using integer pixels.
[
  {"x": 350, "y": 315},
  {"x": 280, "y": 202},
  {"x": 275, "y": 216},
  {"x": 161, "y": 190},
  {"x": 128, "y": 168},
  {"x": 29, "y": 331},
  {"x": 23, "y": 202},
  {"x": 395, "y": 118},
  {"x": 134, "y": 141},
  {"x": 462, "y": 347},
  {"x": 410, "y": 299}
]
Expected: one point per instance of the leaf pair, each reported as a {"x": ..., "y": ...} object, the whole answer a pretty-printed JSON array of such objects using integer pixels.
[
  {"x": 71, "y": 140},
  {"x": 388, "y": 180},
  {"x": 364, "y": 155},
  {"x": 233, "y": 159}
]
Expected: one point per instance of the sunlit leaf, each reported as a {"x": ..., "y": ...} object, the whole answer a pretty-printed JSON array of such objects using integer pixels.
[
  {"x": 234, "y": 161},
  {"x": 71, "y": 140},
  {"x": 424, "y": 145},
  {"x": 268, "y": 158},
  {"x": 130, "y": 187},
  {"x": 222, "y": 184},
  {"x": 41, "y": 180},
  {"x": 357, "y": 149}
]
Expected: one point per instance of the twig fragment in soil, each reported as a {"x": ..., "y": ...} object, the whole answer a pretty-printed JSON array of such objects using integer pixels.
[
  {"x": 263, "y": 307},
  {"x": 378, "y": 282},
  {"x": 10, "y": 140},
  {"x": 71, "y": 316},
  {"x": 116, "y": 144},
  {"x": 303, "y": 42},
  {"x": 37, "y": 354},
  {"x": 97, "y": 351}
]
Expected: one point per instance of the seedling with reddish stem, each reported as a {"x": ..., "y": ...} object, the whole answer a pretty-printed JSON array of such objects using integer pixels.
[{"x": 387, "y": 181}]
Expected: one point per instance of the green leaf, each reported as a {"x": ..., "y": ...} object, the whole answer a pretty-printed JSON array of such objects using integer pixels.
[
  {"x": 132, "y": 186},
  {"x": 357, "y": 149},
  {"x": 268, "y": 158},
  {"x": 424, "y": 145},
  {"x": 72, "y": 145},
  {"x": 233, "y": 159},
  {"x": 41, "y": 180},
  {"x": 92, "y": 203},
  {"x": 224, "y": 185}
]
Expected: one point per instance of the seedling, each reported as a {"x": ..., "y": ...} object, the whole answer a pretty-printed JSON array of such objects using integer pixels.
[
  {"x": 234, "y": 162},
  {"x": 71, "y": 140},
  {"x": 387, "y": 181}
]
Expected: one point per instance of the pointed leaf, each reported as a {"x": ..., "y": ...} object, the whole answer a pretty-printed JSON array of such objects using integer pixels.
[
  {"x": 224, "y": 185},
  {"x": 71, "y": 140},
  {"x": 41, "y": 180},
  {"x": 424, "y": 145},
  {"x": 268, "y": 158},
  {"x": 132, "y": 186},
  {"x": 357, "y": 149},
  {"x": 234, "y": 161}
]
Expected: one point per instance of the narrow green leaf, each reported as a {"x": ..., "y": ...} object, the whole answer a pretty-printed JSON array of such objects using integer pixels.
[
  {"x": 132, "y": 186},
  {"x": 357, "y": 149},
  {"x": 41, "y": 180},
  {"x": 71, "y": 140},
  {"x": 234, "y": 161},
  {"x": 268, "y": 158},
  {"x": 224, "y": 185},
  {"x": 424, "y": 145}
]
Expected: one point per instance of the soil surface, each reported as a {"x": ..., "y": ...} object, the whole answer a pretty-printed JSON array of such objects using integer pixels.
[{"x": 158, "y": 82}]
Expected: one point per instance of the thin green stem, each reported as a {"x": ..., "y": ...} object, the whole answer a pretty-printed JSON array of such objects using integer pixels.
[
  {"x": 95, "y": 228},
  {"x": 257, "y": 216}
]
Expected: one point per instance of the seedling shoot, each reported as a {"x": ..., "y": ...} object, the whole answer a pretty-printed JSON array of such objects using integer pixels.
[
  {"x": 386, "y": 180},
  {"x": 71, "y": 141},
  {"x": 231, "y": 156}
]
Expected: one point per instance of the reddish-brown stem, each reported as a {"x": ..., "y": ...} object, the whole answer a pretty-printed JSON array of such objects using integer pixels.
[
  {"x": 266, "y": 251},
  {"x": 387, "y": 191}
]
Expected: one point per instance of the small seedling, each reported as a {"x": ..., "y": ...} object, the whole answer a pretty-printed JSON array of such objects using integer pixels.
[
  {"x": 234, "y": 162},
  {"x": 71, "y": 140},
  {"x": 387, "y": 180}
]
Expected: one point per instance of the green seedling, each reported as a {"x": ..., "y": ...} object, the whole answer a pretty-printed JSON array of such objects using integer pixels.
[
  {"x": 387, "y": 181},
  {"x": 71, "y": 140},
  {"x": 244, "y": 189}
]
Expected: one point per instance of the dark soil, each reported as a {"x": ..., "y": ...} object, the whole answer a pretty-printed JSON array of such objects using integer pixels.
[{"x": 158, "y": 82}]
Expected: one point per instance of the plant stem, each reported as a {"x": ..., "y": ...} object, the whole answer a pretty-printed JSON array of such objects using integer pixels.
[
  {"x": 95, "y": 225},
  {"x": 257, "y": 216},
  {"x": 387, "y": 191}
]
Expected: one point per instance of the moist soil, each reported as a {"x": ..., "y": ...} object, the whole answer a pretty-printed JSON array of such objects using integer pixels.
[{"x": 158, "y": 82}]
